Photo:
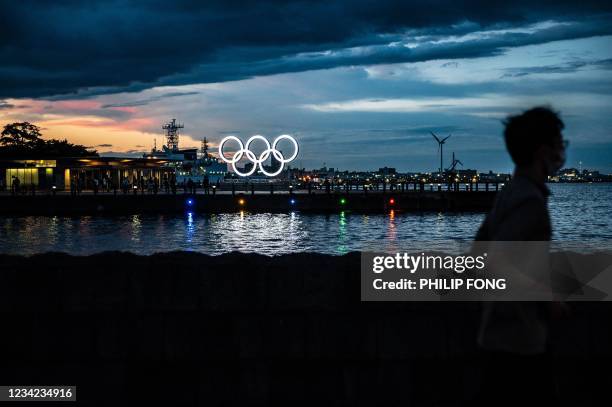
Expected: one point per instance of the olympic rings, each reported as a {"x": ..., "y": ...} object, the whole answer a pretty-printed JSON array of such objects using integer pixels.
[{"x": 244, "y": 151}]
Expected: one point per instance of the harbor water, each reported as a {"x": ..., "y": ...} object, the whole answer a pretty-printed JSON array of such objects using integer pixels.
[{"x": 580, "y": 215}]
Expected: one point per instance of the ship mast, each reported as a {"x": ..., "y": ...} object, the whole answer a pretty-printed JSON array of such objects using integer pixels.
[
  {"x": 172, "y": 134},
  {"x": 204, "y": 148}
]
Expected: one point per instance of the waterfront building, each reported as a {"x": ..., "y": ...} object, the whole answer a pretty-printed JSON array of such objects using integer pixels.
[
  {"x": 62, "y": 172},
  {"x": 579, "y": 175},
  {"x": 387, "y": 171},
  {"x": 466, "y": 174},
  {"x": 493, "y": 177}
]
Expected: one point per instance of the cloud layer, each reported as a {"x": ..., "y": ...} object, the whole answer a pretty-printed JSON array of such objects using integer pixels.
[{"x": 86, "y": 48}]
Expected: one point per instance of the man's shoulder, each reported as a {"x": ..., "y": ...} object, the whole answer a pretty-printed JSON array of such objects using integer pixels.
[
  {"x": 520, "y": 213},
  {"x": 521, "y": 190}
]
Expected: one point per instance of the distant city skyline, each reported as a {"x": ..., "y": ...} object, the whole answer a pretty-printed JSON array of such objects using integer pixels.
[{"x": 361, "y": 85}]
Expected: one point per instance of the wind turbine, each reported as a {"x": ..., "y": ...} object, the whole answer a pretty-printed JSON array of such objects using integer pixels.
[
  {"x": 440, "y": 144},
  {"x": 454, "y": 164}
]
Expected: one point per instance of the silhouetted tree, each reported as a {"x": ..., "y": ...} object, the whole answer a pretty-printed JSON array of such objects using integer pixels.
[
  {"x": 21, "y": 134},
  {"x": 62, "y": 148},
  {"x": 24, "y": 140}
]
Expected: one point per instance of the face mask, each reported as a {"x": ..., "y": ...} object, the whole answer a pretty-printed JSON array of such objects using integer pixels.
[{"x": 555, "y": 163}]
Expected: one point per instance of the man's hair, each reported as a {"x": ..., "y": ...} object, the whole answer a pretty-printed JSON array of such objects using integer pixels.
[{"x": 525, "y": 132}]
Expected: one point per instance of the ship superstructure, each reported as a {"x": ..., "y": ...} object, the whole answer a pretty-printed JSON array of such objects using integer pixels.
[{"x": 189, "y": 163}]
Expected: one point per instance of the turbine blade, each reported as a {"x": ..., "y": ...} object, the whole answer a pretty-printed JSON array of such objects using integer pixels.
[
  {"x": 446, "y": 138},
  {"x": 434, "y": 136}
]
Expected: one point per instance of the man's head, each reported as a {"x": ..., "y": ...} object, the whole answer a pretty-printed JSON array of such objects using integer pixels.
[{"x": 534, "y": 140}]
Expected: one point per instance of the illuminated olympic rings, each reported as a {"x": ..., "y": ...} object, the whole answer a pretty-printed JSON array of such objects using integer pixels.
[{"x": 244, "y": 150}]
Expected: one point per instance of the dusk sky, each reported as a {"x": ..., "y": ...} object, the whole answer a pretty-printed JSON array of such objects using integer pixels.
[{"x": 360, "y": 84}]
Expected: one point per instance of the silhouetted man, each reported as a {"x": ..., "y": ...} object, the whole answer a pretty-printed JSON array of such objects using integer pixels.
[
  {"x": 206, "y": 184},
  {"x": 15, "y": 185},
  {"x": 514, "y": 335}
]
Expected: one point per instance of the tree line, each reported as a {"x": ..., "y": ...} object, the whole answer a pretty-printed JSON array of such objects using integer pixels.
[{"x": 24, "y": 140}]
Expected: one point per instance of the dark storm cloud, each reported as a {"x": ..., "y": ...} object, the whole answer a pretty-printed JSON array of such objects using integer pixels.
[
  {"x": 143, "y": 102},
  {"x": 569, "y": 67},
  {"x": 126, "y": 154},
  {"x": 61, "y": 47},
  {"x": 5, "y": 105},
  {"x": 417, "y": 130},
  {"x": 450, "y": 65}
]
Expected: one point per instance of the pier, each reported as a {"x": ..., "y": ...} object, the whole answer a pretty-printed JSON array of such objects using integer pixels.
[{"x": 255, "y": 198}]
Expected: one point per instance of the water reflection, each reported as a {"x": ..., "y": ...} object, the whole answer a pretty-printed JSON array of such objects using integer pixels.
[
  {"x": 391, "y": 235},
  {"x": 266, "y": 233},
  {"x": 53, "y": 230},
  {"x": 190, "y": 228},
  {"x": 136, "y": 228},
  {"x": 342, "y": 249}
]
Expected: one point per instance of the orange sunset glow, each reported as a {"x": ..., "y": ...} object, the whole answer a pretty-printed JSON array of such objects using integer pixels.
[{"x": 91, "y": 123}]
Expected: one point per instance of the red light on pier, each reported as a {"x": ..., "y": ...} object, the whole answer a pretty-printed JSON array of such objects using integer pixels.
[{"x": 391, "y": 201}]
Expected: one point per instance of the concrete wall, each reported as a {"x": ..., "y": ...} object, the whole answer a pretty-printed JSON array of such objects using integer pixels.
[{"x": 185, "y": 328}]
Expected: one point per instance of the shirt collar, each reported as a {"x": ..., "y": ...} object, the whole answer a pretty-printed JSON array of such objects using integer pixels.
[{"x": 540, "y": 185}]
